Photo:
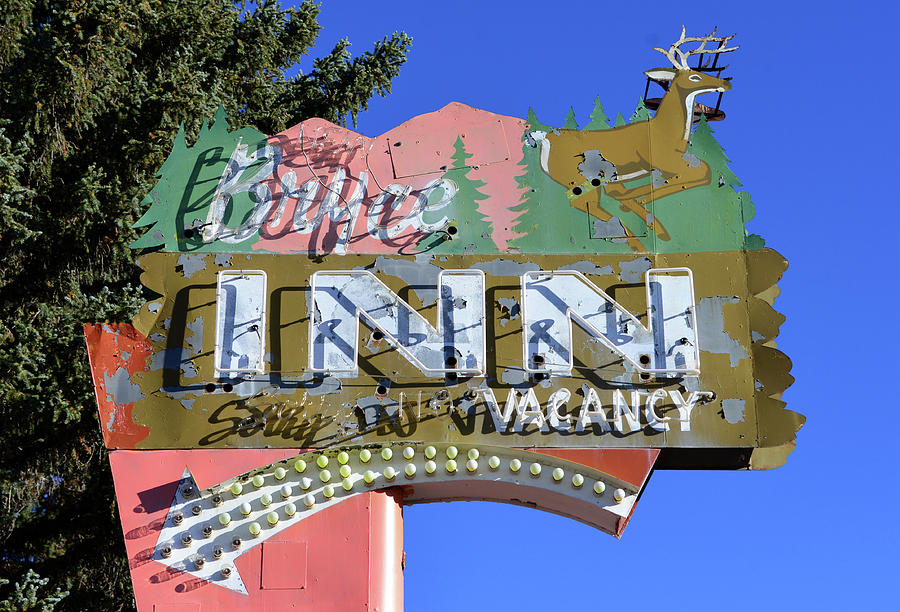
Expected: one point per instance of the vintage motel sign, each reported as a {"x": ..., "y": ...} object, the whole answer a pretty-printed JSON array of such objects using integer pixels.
[{"x": 470, "y": 306}]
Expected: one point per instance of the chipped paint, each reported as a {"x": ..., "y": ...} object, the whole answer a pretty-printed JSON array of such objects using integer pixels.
[
  {"x": 195, "y": 339},
  {"x": 733, "y": 409},
  {"x": 633, "y": 271},
  {"x": 711, "y": 318},
  {"x": 511, "y": 308},
  {"x": 118, "y": 393},
  {"x": 419, "y": 274},
  {"x": 587, "y": 267},
  {"x": 612, "y": 228},
  {"x": 506, "y": 267},
  {"x": 191, "y": 264},
  {"x": 120, "y": 388},
  {"x": 285, "y": 380}
]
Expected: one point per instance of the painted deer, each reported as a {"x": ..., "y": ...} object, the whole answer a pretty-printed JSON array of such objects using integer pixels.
[{"x": 584, "y": 161}]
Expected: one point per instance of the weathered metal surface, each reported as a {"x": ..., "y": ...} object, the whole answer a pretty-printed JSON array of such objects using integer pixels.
[
  {"x": 186, "y": 404},
  {"x": 467, "y": 280},
  {"x": 259, "y": 506},
  {"x": 305, "y": 567}
]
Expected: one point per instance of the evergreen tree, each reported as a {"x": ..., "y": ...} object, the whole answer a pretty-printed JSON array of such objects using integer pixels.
[
  {"x": 93, "y": 94},
  {"x": 719, "y": 200},
  {"x": 707, "y": 148},
  {"x": 640, "y": 113},
  {"x": 599, "y": 120},
  {"x": 620, "y": 120},
  {"x": 474, "y": 233},
  {"x": 570, "y": 123},
  {"x": 536, "y": 124},
  {"x": 547, "y": 221},
  {"x": 174, "y": 203}
]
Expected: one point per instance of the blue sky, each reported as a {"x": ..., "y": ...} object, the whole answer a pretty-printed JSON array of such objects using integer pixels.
[{"x": 812, "y": 136}]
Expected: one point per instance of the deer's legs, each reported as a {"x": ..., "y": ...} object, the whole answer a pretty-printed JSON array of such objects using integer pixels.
[
  {"x": 636, "y": 199},
  {"x": 583, "y": 202}
]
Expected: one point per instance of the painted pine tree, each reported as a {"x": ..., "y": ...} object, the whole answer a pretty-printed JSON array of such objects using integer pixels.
[
  {"x": 547, "y": 220},
  {"x": 474, "y": 233},
  {"x": 599, "y": 120},
  {"x": 570, "y": 123},
  {"x": 640, "y": 113},
  {"x": 536, "y": 124},
  {"x": 180, "y": 200},
  {"x": 719, "y": 204}
]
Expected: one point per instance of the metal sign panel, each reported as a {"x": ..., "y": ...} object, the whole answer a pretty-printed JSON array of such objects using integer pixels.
[{"x": 470, "y": 306}]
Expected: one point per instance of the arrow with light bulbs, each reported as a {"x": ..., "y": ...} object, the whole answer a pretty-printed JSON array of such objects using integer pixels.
[{"x": 205, "y": 531}]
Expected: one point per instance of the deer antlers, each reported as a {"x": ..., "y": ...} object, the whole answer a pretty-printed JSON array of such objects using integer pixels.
[{"x": 679, "y": 58}]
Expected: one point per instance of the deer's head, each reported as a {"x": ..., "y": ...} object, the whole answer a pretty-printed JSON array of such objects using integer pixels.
[
  {"x": 687, "y": 79},
  {"x": 690, "y": 80},
  {"x": 686, "y": 82}
]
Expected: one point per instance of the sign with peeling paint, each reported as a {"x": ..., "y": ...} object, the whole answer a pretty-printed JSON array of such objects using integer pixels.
[{"x": 467, "y": 283}]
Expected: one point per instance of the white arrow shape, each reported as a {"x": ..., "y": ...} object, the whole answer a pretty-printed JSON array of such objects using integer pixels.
[{"x": 205, "y": 531}]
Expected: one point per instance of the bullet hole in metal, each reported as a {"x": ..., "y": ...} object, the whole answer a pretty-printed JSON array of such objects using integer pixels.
[
  {"x": 381, "y": 391},
  {"x": 645, "y": 377},
  {"x": 539, "y": 376},
  {"x": 538, "y": 360},
  {"x": 453, "y": 230},
  {"x": 595, "y": 182},
  {"x": 576, "y": 190},
  {"x": 451, "y": 362},
  {"x": 451, "y": 378},
  {"x": 210, "y": 387},
  {"x": 644, "y": 359},
  {"x": 377, "y": 335},
  {"x": 227, "y": 387}
]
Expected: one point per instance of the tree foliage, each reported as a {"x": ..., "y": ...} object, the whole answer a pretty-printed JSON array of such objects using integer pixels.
[
  {"x": 475, "y": 231},
  {"x": 92, "y": 94}
]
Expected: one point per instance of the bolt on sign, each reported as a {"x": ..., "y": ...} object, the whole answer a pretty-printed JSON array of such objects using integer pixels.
[{"x": 468, "y": 307}]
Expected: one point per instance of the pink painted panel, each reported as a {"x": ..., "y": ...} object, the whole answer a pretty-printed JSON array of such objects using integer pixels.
[
  {"x": 284, "y": 565},
  {"x": 337, "y": 191},
  {"x": 347, "y": 567}
]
